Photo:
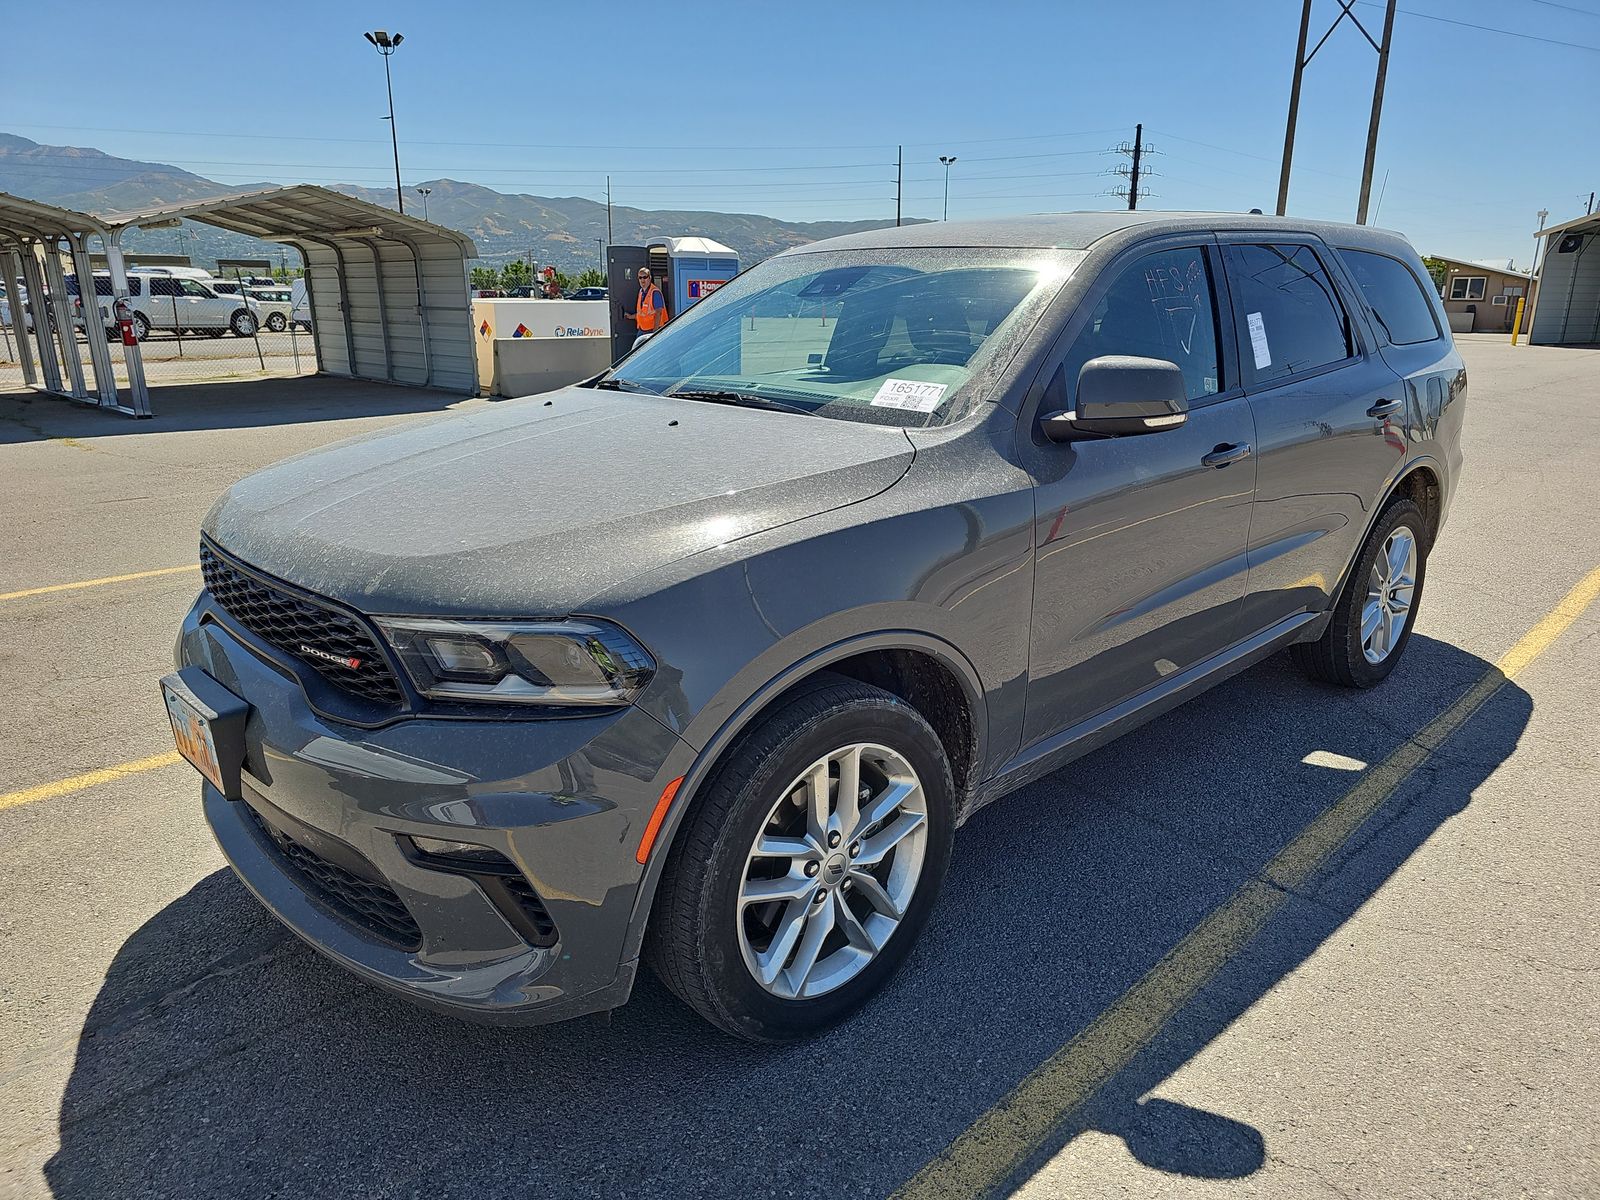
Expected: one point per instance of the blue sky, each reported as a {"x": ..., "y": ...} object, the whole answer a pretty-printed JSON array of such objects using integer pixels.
[{"x": 795, "y": 110}]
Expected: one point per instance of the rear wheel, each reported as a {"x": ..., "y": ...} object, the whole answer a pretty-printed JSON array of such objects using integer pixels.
[
  {"x": 809, "y": 865},
  {"x": 141, "y": 327},
  {"x": 276, "y": 323},
  {"x": 1373, "y": 619},
  {"x": 243, "y": 323}
]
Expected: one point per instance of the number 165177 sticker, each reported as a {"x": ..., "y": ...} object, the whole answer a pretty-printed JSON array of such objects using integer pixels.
[{"x": 911, "y": 394}]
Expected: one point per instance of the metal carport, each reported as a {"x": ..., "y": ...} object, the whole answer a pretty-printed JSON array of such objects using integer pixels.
[
  {"x": 1567, "y": 306},
  {"x": 388, "y": 293}
]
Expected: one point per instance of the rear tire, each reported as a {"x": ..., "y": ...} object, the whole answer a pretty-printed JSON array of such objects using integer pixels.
[
  {"x": 141, "y": 327},
  {"x": 756, "y": 827},
  {"x": 1372, "y": 622},
  {"x": 276, "y": 323},
  {"x": 243, "y": 323}
]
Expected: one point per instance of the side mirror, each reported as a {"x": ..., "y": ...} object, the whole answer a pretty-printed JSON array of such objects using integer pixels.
[{"x": 1119, "y": 395}]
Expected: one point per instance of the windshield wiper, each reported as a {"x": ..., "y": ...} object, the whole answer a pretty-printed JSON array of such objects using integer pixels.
[
  {"x": 623, "y": 385},
  {"x": 742, "y": 399}
]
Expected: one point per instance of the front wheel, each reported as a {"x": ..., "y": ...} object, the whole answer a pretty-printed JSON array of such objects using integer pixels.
[
  {"x": 1373, "y": 619},
  {"x": 809, "y": 865},
  {"x": 243, "y": 324},
  {"x": 276, "y": 323}
]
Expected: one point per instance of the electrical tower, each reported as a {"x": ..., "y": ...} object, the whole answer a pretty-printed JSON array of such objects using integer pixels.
[{"x": 1136, "y": 171}]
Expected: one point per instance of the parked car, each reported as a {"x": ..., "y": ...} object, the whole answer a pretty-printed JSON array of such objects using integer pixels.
[
  {"x": 490, "y": 722},
  {"x": 271, "y": 304},
  {"x": 589, "y": 293},
  {"x": 165, "y": 300}
]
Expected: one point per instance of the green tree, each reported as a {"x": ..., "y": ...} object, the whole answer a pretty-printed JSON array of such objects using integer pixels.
[
  {"x": 485, "y": 278},
  {"x": 593, "y": 277},
  {"x": 516, "y": 273},
  {"x": 1439, "y": 269}
]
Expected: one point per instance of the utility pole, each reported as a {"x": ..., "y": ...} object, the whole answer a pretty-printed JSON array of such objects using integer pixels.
[
  {"x": 1135, "y": 173},
  {"x": 1377, "y": 113},
  {"x": 1133, "y": 177},
  {"x": 1302, "y": 60},
  {"x": 900, "y": 181},
  {"x": 609, "y": 239},
  {"x": 1294, "y": 108},
  {"x": 1589, "y": 211}
]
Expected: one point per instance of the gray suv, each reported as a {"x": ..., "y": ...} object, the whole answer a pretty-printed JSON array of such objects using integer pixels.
[{"x": 704, "y": 661}]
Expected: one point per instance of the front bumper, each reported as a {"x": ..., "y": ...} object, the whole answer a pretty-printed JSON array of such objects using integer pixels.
[{"x": 323, "y": 837}]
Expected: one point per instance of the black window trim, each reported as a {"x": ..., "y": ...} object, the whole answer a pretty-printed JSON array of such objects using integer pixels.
[
  {"x": 1426, "y": 290},
  {"x": 1104, "y": 276},
  {"x": 1360, "y": 342}
]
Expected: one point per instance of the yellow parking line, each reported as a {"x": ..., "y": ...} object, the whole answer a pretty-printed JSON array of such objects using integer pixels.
[
  {"x": 89, "y": 583},
  {"x": 62, "y": 787},
  {"x": 991, "y": 1150}
]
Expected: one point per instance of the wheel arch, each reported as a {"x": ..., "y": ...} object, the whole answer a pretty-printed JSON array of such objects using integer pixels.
[{"x": 927, "y": 672}]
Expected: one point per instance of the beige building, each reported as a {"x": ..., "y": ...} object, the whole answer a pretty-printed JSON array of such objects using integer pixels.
[{"x": 1481, "y": 298}]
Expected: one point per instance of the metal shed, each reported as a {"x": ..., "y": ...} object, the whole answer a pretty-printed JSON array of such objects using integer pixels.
[
  {"x": 388, "y": 293},
  {"x": 1567, "y": 310}
]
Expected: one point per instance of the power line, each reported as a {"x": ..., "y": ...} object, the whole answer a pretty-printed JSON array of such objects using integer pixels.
[{"x": 1531, "y": 37}]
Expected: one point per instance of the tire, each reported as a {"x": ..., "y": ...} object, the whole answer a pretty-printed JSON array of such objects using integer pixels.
[
  {"x": 276, "y": 323},
  {"x": 243, "y": 323},
  {"x": 1344, "y": 653},
  {"x": 703, "y": 926},
  {"x": 141, "y": 327}
]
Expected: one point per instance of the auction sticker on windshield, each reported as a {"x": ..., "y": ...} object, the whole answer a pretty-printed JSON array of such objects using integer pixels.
[{"x": 911, "y": 394}]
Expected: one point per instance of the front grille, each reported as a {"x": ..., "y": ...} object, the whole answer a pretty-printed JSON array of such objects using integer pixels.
[
  {"x": 366, "y": 904},
  {"x": 304, "y": 629}
]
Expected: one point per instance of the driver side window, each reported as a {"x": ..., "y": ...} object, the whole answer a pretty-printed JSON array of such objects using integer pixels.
[{"x": 1160, "y": 306}]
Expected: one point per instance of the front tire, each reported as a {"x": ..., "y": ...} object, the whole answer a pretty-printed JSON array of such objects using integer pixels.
[
  {"x": 809, "y": 865},
  {"x": 276, "y": 323},
  {"x": 1372, "y": 622},
  {"x": 243, "y": 324}
]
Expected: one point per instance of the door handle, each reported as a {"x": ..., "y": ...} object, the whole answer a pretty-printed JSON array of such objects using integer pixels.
[
  {"x": 1223, "y": 455},
  {"x": 1385, "y": 408}
]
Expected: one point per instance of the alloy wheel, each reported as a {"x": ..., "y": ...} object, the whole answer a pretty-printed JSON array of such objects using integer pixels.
[
  {"x": 832, "y": 871},
  {"x": 1391, "y": 584}
]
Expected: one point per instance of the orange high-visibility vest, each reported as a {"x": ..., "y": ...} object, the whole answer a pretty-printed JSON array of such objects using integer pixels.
[{"x": 652, "y": 310}]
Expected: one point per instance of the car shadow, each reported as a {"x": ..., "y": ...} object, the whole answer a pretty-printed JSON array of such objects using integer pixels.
[
  {"x": 221, "y": 1056},
  {"x": 27, "y": 416}
]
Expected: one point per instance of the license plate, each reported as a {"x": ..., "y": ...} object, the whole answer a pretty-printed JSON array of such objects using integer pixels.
[{"x": 191, "y": 729}]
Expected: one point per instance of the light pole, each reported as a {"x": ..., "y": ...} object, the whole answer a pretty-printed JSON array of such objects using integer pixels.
[
  {"x": 947, "y": 159},
  {"x": 424, "y": 192},
  {"x": 386, "y": 44}
]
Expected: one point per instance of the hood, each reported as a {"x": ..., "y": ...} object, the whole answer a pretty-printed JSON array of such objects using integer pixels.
[{"x": 530, "y": 507}]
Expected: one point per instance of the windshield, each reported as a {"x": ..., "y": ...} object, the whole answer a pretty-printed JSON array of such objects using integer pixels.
[{"x": 896, "y": 337}]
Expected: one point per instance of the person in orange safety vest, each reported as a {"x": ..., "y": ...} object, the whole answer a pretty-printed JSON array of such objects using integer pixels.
[{"x": 650, "y": 313}]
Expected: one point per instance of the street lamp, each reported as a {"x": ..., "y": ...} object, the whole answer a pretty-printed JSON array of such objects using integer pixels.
[
  {"x": 947, "y": 159},
  {"x": 386, "y": 44},
  {"x": 424, "y": 192}
]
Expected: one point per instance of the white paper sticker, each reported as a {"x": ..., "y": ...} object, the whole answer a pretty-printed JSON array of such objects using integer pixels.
[
  {"x": 1258, "y": 340},
  {"x": 911, "y": 394}
]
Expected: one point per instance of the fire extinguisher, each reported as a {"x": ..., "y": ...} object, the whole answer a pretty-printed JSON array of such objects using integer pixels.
[{"x": 124, "y": 315}]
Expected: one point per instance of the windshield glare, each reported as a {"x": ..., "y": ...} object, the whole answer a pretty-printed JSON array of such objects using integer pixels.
[{"x": 889, "y": 337}]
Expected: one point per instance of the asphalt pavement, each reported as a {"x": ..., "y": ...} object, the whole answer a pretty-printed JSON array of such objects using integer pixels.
[{"x": 1414, "y": 1013}]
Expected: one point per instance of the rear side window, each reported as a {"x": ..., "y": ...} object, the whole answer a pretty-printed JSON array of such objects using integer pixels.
[
  {"x": 1289, "y": 315},
  {"x": 1159, "y": 306},
  {"x": 163, "y": 285},
  {"x": 1395, "y": 294}
]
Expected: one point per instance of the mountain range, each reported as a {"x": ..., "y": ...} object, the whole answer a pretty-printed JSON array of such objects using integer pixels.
[{"x": 563, "y": 231}]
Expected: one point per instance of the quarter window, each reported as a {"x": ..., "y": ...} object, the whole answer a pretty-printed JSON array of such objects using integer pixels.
[
  {"x": 1395, "y": 294},
  {"x": 1160, "y": 306},
  {"x": 1289, "y": 314},
  {"x": 1468, "y": 287}
]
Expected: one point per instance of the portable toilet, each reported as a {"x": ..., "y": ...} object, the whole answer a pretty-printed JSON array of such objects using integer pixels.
[{"x": 689, "y": 269}]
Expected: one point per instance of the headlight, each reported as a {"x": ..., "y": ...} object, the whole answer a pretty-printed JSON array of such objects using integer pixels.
[{"x": 538, "y": 662}]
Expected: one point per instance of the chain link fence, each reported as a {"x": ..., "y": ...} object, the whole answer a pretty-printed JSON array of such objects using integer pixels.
[{"x": 190, "y": 329}]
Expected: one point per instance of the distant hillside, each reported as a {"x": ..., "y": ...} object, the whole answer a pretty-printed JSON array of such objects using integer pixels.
[{"x": 558, "y": 230}]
